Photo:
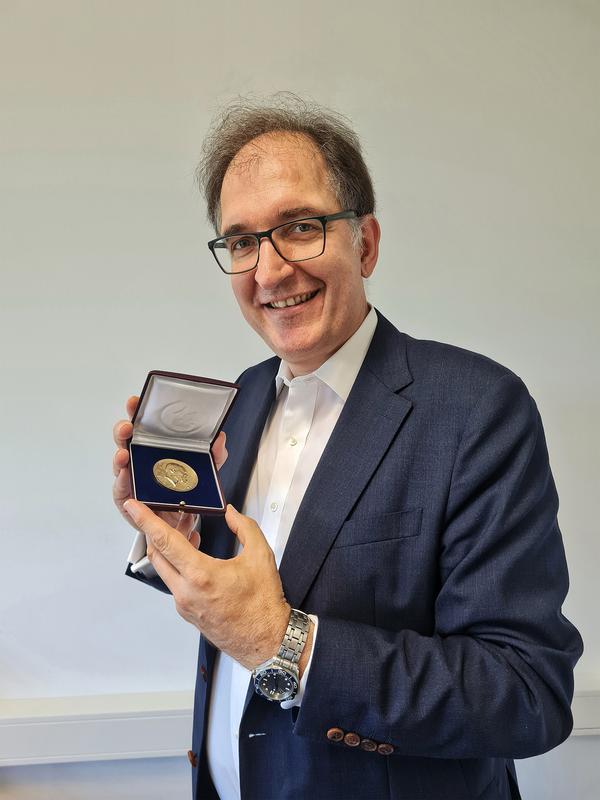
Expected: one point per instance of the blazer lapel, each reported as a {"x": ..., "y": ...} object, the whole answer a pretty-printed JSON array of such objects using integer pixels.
[
  {"x": 244, "y": 429},
  {"x": 367, "y": 425}
]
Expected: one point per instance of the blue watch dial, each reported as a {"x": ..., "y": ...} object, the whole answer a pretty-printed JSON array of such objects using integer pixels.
[{"x": 276, "y": 684}]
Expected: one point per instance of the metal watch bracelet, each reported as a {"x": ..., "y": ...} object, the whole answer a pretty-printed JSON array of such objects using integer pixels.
[{"x": 295, "y": 637}]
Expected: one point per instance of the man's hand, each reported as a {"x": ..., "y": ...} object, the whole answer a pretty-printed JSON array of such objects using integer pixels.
[
  {"x": 122, "y": 431},
  {"x": 237, "y": 604}
]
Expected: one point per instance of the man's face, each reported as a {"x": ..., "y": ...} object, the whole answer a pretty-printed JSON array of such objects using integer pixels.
[
  {"x": 174, "y": 472},
  {"x": 272, "y": 180}
]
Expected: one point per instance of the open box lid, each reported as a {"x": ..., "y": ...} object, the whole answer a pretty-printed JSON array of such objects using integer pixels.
[{"x": 185, "y": 411}]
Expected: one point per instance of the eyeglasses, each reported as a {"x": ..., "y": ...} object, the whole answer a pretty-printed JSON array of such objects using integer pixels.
[{"x": 299, "y": 240}]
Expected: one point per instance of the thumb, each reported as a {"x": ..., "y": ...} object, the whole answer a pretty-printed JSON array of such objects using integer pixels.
[
  {"x": 219, "y": 450},
  {"x": 245, "y": 528},
  {"x": 144, "y": 519}
]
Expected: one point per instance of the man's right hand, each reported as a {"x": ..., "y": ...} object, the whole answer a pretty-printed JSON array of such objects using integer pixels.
[{"x": 122, "y": 431}]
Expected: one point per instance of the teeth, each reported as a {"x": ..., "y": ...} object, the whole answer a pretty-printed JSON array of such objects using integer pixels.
[{"x": 292, "y": 301}]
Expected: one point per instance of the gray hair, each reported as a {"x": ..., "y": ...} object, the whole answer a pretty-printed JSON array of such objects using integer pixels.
[{"x": 245, "y": 119}]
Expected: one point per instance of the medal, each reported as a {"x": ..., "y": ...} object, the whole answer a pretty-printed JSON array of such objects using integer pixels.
[{"x": 175, "y": 475}]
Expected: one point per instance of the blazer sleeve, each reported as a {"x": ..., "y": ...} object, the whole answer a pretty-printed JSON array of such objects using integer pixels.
[
  {"x": 496, "y": 677},
  {"x": 155, "y": 581}
]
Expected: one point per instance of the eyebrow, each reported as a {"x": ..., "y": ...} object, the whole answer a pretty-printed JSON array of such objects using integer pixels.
[{"x": 298, "y": 212}]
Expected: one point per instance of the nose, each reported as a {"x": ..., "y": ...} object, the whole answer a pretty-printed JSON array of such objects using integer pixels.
[{"x": 272, "y": 269}]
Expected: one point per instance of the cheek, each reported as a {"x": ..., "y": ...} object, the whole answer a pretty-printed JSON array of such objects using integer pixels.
[
  {"x": 243, "y": 291},
  {"x": 342, "y": 287}
]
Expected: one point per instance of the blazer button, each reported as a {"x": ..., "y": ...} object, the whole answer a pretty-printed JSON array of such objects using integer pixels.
[
  {"x": 369, "y": 745},
  {"x": 203, "y": 672},
  {"x": 385, "y": 749},
  {"x": 352, "y": 739},
  {"x": 335, "y": 734},
  {"x": 192, "y": 758}
]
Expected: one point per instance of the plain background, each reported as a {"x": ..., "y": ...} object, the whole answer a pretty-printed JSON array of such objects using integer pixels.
[{"x": 480, "y": 123}]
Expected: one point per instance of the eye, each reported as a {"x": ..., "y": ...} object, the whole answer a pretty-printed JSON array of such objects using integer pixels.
[
  {"x": 240, "y": 244},
  {"x": 301, "y": 229},
  {"x": 307, "y": 226}
]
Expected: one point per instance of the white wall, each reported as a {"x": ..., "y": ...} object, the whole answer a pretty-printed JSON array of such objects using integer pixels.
[
  {"x": 480, "y": 123},
  {"x": 144, "y": 779}
]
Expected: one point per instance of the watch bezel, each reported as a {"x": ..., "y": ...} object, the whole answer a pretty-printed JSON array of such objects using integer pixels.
[{"x": 276, "y": 670}]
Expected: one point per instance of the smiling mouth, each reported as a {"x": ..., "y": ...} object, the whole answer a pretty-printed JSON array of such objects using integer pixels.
[{"x": 292, "y": 301}]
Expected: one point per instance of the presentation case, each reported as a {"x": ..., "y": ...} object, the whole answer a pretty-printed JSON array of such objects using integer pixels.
[{"x": 174, "y": 426}]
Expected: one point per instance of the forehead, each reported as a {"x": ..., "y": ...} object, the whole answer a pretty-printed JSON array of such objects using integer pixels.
[{"x": 274, "y": 171}]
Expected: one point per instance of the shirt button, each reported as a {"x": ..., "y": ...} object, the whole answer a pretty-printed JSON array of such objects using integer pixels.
[
  {"x": 274, "y": 506},
  {"x": 293, "y": 441}
]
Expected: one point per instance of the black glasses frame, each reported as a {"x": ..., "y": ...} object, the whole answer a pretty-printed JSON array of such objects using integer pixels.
[{"x": 219, "y": 242}]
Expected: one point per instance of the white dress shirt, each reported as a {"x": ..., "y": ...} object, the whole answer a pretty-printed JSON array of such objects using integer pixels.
[{"x": 298, "y": 428}]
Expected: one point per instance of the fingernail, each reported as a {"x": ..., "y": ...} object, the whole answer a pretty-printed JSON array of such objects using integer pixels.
[{"x": 130, "y": 508}]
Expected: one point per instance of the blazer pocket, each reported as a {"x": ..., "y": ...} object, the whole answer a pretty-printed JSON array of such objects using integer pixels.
[{"x": 379, "y": 528}]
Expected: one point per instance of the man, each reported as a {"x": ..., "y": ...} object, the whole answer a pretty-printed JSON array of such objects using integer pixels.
[{"x": 396, "y": 491}]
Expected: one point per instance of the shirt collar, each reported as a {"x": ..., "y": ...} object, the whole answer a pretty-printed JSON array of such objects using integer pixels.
[{"x": 340, "y": 370}]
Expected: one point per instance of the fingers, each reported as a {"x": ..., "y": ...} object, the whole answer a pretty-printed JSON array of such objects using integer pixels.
[
  {"x": 181, "y": 521},
  {"x": 131, "y": 405},
  {"x": 164, "y": 538},
  {"x": 122, "y": 487},
  {"x": 219, "y": 450},
  {"x": 184, "y": 523},
  {"x": 122, "y": 431},
  {"x": 245, "y": 528},
  {"x": 120, "y": 461},
  {"x": 164, "y": 568}
]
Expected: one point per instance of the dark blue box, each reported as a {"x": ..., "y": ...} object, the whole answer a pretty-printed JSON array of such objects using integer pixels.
[{"x": 176, "y": 422}]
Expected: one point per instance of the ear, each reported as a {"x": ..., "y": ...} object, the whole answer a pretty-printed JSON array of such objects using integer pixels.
[{"x": 371, "y": 234}]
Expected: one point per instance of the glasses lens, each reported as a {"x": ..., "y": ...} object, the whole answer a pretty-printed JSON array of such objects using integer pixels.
[
  {"x": 237, "y": 253},
  {"x": 299, "y": 240}
]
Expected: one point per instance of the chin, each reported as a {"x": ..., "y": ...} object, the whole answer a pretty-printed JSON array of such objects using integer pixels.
[{"x": 299, "y": 351}]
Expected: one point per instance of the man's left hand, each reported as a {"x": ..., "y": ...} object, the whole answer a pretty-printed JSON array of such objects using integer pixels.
[{"x": 237, "y": 604}]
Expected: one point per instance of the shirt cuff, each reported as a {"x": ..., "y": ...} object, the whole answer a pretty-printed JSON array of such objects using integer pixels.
[
  {"x": 297, "y": 701},
  {"x": 138, "y": 561}
]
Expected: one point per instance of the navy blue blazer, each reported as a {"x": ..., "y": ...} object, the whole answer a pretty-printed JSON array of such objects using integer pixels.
[{"x": 427, "y": 543}]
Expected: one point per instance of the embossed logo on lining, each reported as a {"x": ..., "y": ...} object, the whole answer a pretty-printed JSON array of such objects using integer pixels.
[{"x": 179, "y": 418}]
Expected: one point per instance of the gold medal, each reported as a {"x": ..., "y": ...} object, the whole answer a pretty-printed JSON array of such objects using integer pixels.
[{"x": 174, "y": 475}]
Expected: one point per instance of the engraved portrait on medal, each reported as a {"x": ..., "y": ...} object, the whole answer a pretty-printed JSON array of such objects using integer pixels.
[{"x": 175, "y": 475}]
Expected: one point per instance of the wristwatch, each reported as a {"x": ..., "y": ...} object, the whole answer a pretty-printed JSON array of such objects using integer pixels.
[{"x": 277, "y": 678}]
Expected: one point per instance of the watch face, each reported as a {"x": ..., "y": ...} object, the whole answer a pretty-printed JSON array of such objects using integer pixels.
[{"x": 276, "y": 684}]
